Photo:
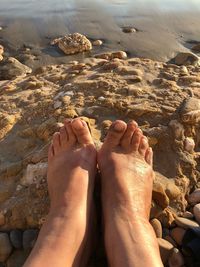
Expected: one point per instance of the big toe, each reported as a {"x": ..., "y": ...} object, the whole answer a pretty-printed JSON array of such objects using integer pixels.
[
  {"x": 81, "y": 131},
  {"x": 115, "y": 133}
]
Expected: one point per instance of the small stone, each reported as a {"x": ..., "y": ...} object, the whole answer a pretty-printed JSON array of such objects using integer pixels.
[
  {"x": 189, "y": 144},
  {"x": 18, "y": 258},
  {"x": 196, "y": 211},
  {"x": 157, "y": 227},
  {"x": 196, "y": 48},
  {"x": 186, "y": 58},
  {"x": 159, "y": 195},
  {"x": 166, "y": 249},
  {"x": 2, "y": 219},
  {"x": 16, "y": 238},
  {"x": 185, "y": 223},
  {"x": 101, "y": 98},
  {"x": 69, "y": 93},
  {"x": 188, "y": 215},
  {"x": 129, "y": 30},
  {"x": 194, "y": 197},
  {"x": 190, "y": 111},
  {"x": 170, "y": 240},
  {"x": 5, "y": 247},
  {"x": 57, "y": 104},
  {"x": 97, "y": 43},
  {"x": 1, "y": 28},
  {"x": 178, "y": 234},
  {"x": 176, "y": 259},
  {"x": 184, "y": 70},
  {"x": 29, "y": 238}
]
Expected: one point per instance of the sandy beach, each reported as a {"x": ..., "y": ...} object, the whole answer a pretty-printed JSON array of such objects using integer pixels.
[{"x": 144, "y": 66}]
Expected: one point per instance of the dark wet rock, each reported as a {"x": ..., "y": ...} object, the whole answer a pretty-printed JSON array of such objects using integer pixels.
[
  {"x": 16, "y": 238},
  {"x": 29, "y": 238},
  {"x": 5, "y": 247}
]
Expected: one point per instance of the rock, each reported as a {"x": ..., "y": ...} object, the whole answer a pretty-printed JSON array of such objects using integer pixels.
[
  {"x": 172, "y": 190},
  {"x": 16, "y": 238},
  {"x": 196, "y": 211},
  {"x": 188, "y": 215},
  {"x": 73, "y": 43},
  {"x": 170, "y": 240},
  {"x": 1, "y": 28},
  {"x": 166, "y": 249},
  {"x": 176, "y": 259},
  {"x": 196, "y": 48},
  {"x": 186, "y": 58},
  {"x": 129, "y": 29},
  {"x": 109, "y": 56},
  {"x": 185, "y": 223},
  {"x": 18, "y": 258},
  {"x": 194, "y": 197},
  {"x": 157, "y": 227},
  {"x": 57, "y": 104},
  {"x": 97, "y": 43},
  {"x": 11, "y": 68},
  {"x": 189, "y": 144},
  {"x": 5, "y": 247},
  {"x": 184, "y": 71},
  {"x": 177, "y": 234},
  {"x": 1, "y": 52},
  {"x": 34, "y": 173},
  {"x": 29, "y": 238},
  {"x": 159, "y": 195},
  {"x": 2, "y": 219},
  {"x": 178, "y": 129},
  {"x": 190, "y": 111}
]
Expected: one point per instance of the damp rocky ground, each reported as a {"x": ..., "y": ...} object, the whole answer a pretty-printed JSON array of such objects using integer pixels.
[{"x": 163, "y": 98}]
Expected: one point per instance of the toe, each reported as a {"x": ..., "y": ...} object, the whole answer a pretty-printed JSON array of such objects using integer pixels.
[
  {"x": 50, "y": 152},
  {"x": 127, "y": 137},
  {"x": 144, "y": 145},
  {"x": 56, "y": 142},
  {"x": 81, "y": 131},
  {"x": 70, "y": 134},
  {"x": 115, "y": 133},
  {"x": 63, "y": 137},
  {"x": 135, "y": 142},
  {"x": 149, "y": 156}
]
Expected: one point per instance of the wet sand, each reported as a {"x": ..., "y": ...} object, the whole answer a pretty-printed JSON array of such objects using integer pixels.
[{"x": 163, "y": 28}]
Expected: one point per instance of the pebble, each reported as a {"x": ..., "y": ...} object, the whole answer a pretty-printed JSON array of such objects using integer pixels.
[
  {"x": 1, "y": 28},
  {"x": 101, "y": 98},
  {"x": 170, "y": 240},
  {"x": 129, "y": 30},
  {"x": 194, "y": 197},
  {"x": 196, "y": 211},
  {"x": 29, "y": 238},
  {"x": 5, "y": 247},
  {"x": 185, "y": 223},
  {"x": 16, "y": 238},
  {"x": 165, "y": 249},
  {"x": 97, "y": 43},
  {"x": 177, "y": 234},
  {"x": 176, "y": 259},
  {"x": 189, "y": 144},
  {"x": 186, "y": 58},
  {"x": 69, "y": 93},
  {"x": 196, "y": 48},
  {"x": 17, "y": 259},
  {"x": 2, "y": 219},
  {"x": 188, "y": 215},
  {"x": 157, "y": 227},
  {"x": 57, "y": 104}
]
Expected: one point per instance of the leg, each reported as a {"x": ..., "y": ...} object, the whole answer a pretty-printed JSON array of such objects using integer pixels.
[
  {"x": 71, "y": 174},
  {"x": 125, "y": 162}
]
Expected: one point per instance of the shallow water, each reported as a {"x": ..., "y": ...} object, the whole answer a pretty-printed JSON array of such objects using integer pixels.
[{"x": 164, "y": 26}]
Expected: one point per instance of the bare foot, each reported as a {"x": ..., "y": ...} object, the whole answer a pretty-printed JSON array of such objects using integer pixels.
[
  {"x": 125, "y": 162},
  {"x": 71, "y": 174}
]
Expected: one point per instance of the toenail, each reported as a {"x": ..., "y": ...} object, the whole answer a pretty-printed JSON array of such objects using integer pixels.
[
  {"x": 119, "y": 127},
  {"x": 78, "y": 124}
]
